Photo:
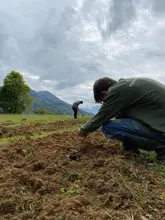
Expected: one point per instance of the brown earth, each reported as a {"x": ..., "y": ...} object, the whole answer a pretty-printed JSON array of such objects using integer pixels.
[
  {"x": 64, "y": 177},
  {"x": 26, "y": 130}
]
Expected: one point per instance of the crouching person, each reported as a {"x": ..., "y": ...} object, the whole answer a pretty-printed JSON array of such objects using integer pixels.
[{"x": 133, "y": 112}]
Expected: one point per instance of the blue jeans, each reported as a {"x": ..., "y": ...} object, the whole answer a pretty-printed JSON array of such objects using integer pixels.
[{"x": 134, "y": 135}]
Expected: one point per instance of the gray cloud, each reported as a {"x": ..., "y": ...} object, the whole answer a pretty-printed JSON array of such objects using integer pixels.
[{"x": 63, "y": 47}]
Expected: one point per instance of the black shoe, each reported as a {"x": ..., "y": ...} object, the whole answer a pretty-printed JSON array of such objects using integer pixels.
[{"x": 128, "y": 147}]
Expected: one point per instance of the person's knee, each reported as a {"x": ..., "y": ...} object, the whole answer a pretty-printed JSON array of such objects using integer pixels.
[
  {"x": 108, "y": 127},
  {"x": 113, "y": 130}
]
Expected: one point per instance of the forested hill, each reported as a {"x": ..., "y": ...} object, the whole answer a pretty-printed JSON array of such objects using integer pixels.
[{"x": 51, "y": 103}]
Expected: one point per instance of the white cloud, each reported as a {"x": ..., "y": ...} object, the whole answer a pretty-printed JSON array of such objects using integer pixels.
[{"x": 64, "y": 47}]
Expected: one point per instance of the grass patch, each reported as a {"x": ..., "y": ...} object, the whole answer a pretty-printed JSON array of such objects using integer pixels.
[
  {"x": 42, "y": 134},
  {"x": 9, "y": 140},
  {"x": 149, "y": 156},
  {"x": 32, "y": 118},
  {"x": 72, "y": 190},
  {"x": 47, "y": 133},
  {"x": 6, "y": 141},
  {"x": 14, "y": 120},
  {"x": 160, "y": 170}
]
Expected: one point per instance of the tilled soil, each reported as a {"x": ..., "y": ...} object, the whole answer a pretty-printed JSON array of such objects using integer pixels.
[
  {"x": 26, "y": 130},
  {"x": 64, "y": 177}
]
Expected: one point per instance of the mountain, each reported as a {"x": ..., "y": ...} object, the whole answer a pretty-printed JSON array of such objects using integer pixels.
[
  {"x": 52, "y": 103},
  {"x": 93, "y": 110}
]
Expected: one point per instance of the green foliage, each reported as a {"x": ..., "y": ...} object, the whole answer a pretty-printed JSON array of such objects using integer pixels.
[
  {"x": 73, "y": 190},
  {"x": 163, "y": 183},
  {"x": 160, "y": 170},
  {"x": 150, "y": 156},
  {"x": 14, "y": 94},
  {"x": 40, "y": 111}
]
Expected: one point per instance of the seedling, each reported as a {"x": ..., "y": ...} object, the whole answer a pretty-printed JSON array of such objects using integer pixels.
[{"x": 73, "y": 190}]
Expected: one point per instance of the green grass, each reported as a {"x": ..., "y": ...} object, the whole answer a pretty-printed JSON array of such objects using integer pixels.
[
  {"x": 6, "y": 141},
  {"x": 160, "y": 170},
  {"x": 28, "y": 119},
  {"x": 41, "y": 134},
  {"x": 16, "y": 120},
  {"x": 72, "y": 190}
]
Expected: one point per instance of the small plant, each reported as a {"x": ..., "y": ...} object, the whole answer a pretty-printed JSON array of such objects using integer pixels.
[
  {"x": 160, "y": 170},
  {"x": 74, "y": 189},
  {"x": 163, "y": 183},
  {"x": 149, "y": 156}
]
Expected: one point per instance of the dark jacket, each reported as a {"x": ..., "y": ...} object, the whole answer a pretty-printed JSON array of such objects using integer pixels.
[{"x": 141, "y": 99}]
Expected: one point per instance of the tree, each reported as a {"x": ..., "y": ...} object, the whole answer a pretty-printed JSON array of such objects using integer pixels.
[
  {"x": 14, "y": 94},
  {"x": 40, "y": 111}
]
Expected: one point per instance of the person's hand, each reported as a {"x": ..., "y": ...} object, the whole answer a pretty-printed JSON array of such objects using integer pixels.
[{"x": 82, "y": 133}]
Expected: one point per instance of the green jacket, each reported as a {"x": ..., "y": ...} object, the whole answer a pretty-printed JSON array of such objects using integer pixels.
[{"x": 142, "y": 99}]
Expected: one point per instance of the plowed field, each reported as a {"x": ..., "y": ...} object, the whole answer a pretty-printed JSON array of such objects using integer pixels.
[{"x": 64, "y": 177}]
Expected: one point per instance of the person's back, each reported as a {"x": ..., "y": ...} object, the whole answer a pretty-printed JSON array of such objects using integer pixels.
[
  {"x": 142, "y": 99},
  {"x": 145, "y": 101},
  {"x": 138, "y": 104},
  {"x": 76, "y": 104},
  {"x": 75, "y": 108}
]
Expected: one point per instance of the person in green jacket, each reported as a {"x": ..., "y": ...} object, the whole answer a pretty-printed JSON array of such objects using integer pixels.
[{"x": 137, "y": 107}]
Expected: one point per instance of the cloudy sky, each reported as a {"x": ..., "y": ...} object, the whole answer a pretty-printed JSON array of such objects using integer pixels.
[{"x": 64, "y": 46}]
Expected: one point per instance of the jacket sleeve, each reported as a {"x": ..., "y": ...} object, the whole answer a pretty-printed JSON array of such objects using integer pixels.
[{"x": 113, "y": 103}]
